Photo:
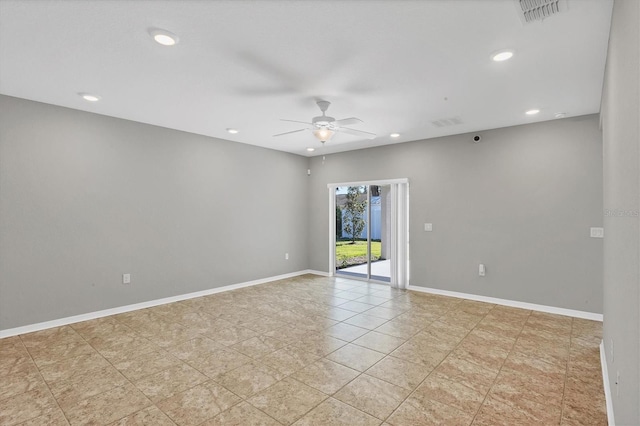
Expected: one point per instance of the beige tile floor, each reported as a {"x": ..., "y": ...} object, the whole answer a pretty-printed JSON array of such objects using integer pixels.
[{"x": 308, "y": 351}]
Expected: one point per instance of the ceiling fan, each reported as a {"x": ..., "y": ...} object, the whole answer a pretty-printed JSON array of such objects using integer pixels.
[{"x": 324, "y": 127}]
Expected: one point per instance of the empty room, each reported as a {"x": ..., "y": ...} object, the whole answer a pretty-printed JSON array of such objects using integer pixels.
[{"x": 320, "y": 212}]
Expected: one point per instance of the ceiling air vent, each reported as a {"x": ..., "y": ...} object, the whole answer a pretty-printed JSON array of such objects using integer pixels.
[
  {"x": 446, "y": 122},
  {"x": 539, "y": 10}
]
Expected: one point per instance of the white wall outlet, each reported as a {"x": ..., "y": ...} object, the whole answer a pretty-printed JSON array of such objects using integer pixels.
[
  {"x": 126, "y": 278},
  {"x": 481, "y": 270},
  {"x": 428, "y": 227},
  {"x": 597, "y": 233},
  {"x": 286, "y": 256}
]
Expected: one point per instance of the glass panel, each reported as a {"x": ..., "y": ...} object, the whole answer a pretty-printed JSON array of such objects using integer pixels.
[
  {"x": 380, "y": 226},
  {"x": 351, "y": 231}
]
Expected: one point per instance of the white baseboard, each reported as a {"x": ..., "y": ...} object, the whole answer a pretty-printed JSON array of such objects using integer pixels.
[
  {"x": 142, "y": 305},
  {"x": 513, "y": 303},
  {"x": 605, "y": 382},
  {"x": 314, "y": 272}
]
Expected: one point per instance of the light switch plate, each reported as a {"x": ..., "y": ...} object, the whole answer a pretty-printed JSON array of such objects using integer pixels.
[
  {"x": 126, "y": 278},
  {"x": 428, "y": 227},
  {"x": 597, "y": 232}
]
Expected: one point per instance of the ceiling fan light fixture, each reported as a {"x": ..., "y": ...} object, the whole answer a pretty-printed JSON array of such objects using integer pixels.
[{"x": 323, "y": 134}]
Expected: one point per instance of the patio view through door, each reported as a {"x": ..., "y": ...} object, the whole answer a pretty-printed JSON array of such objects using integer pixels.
[
  {"x": 362, "y": 224},
  {"x": 369, "y": 231}
]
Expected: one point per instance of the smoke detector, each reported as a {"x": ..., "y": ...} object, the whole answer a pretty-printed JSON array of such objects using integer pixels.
[{"x": 538, "y": 10}]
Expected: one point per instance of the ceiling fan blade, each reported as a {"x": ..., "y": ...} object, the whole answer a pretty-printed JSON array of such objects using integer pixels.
[
  {"x": 348, "y": 121},
  {"x": 296, "y": 121},
  {"x": 355, "y": 132},
  {"x": 288, "y": 133}
]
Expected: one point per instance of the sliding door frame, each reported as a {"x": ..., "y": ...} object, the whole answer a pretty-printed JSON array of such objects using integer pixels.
[{"x": 399, "y": 244}]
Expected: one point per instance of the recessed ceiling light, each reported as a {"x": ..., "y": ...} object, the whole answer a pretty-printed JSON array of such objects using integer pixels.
[
  {"x": 163, "y": 37},
  {"x": 502, "y": 55},
  {"x": 89, "y": 97},
  {"x": 560, "y": 114},
  {"x": 311, "y": 149},
  {"x": 532, "y": 111},
  {"x": 395, "y": 135},
  {"x": 232, "y": 131}
]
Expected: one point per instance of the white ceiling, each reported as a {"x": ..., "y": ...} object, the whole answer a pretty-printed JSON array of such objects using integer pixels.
[{"x": 397, "y": 65}]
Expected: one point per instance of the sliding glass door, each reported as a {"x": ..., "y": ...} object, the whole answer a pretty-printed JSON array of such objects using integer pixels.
[
  {"x": 364, "y": 223},
  {"x": 379, "y": 226},
  {"x": 354, "y": 250}
]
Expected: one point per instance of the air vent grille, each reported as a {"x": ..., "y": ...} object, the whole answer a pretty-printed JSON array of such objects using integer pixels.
[
  {"x": 539, "y": 10},
  {"x": 446, "y": 122}
]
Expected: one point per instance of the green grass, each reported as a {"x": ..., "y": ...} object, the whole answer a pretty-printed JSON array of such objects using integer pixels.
[{"x": 348, "y": 254}]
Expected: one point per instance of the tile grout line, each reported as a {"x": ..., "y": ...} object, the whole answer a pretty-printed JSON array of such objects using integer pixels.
[
  {"x": 242, "y": 399},
  {"x": 210, "y": 379},
  {"x": 566, "y": 374},
  {"x": 159, "y": 349},
  {"x": 500, "y": 369},
  {"x": 44, "y": 381},
  {"x": 119, "y": 372},
  {"x": 360, "y": 373},
  {"x": 545, "y": 362},
  {"x": 434, "y": 368}
]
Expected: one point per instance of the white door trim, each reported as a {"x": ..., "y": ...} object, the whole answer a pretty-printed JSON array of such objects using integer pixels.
[
  {"x": 368, "y": 182},
  {"x": 332, "y": 231},
  {"x": 399, "y": 240}
]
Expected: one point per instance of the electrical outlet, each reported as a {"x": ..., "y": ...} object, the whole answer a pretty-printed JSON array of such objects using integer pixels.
[
  {"x": 126, "y": 278},
  {"x": 481, "y": 270},
  {"x": 596, "y": 233},
  {"x": 428, "y": 227},
  {"x": 286, "y": 256}
]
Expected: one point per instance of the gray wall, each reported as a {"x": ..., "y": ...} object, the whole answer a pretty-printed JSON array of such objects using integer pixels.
[
  {"x": 85, "y": 198},
  {"x": 620, "y": 115},
  {"x": 521, "y": 202}
]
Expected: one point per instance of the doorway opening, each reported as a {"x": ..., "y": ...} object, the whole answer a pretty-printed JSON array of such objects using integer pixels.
[{"x": 369, "y": 231}]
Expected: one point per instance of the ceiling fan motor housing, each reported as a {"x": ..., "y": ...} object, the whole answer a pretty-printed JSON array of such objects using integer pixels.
[
  {"x": 323, "y": 105},
  {"x": 323, "y": 121}
]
